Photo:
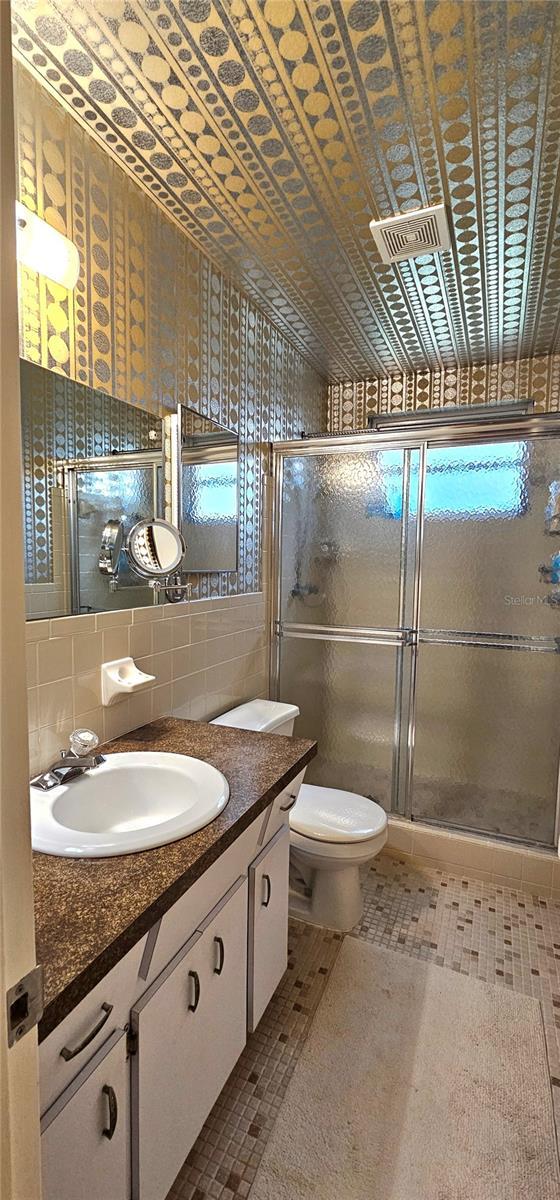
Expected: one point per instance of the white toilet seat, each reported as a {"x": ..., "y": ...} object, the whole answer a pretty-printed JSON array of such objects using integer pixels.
[
  {"x": 355, "y": 853},
  {"x": 330, "y": 827},
  {"x": 334, "y": 817}
]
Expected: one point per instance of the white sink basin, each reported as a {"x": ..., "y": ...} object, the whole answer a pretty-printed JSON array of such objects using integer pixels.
[{"x": 130, "y": 802}]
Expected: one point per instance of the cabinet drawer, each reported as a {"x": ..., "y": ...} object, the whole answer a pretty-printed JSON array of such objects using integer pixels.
[
  {"x": 191, "y": 1028},
  {"x": 65, "y": 1051},
  {"x": 177, "y": 926},
  {"x": 85, "y": 1141},
  {"x": 279, "y": 811},
  {"x": 268, "y": 923}
]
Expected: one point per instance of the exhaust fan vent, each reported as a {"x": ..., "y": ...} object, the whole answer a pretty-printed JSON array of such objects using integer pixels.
[{"x": 423, "y": 232}]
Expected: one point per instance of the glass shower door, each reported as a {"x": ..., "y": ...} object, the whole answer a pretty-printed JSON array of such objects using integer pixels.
[
  {"x": 488, "y": 670},
  {"x": 346, "y": 544}
]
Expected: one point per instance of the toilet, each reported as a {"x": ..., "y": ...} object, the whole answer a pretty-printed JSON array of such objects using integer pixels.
[{"x": 332, "y": 832}]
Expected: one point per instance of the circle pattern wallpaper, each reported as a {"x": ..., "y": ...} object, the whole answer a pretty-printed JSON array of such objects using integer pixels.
[{"x": 272, "y": 131}]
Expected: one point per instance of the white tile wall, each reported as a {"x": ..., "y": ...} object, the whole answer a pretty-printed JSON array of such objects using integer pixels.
[{"x": 207, "y": 656}]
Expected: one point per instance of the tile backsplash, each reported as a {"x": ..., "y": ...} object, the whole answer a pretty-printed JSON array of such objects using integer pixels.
[{"x": 206, "y": 655}]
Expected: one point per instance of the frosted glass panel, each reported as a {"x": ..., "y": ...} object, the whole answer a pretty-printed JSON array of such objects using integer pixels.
[
  {"x": 346, "y": 696},
  {"x": 125, "y": 495},
  {"x": 341, "y": 538},
  {"x": 210, "y": 470},
  {"x": 209, "y": 526},
  {"x": 484, "y": 537},
  {"x": 486, "y": 751}
]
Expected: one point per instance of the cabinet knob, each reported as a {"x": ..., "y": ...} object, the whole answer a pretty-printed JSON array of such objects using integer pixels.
[{"x": 110, "y": 1093}]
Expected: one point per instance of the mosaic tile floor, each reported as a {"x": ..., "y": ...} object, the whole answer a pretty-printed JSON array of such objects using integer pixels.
[{"x": 491, "y": 933}]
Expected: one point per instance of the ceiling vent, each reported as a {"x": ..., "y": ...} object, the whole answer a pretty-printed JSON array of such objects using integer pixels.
[{"x": 423, "y": 232}]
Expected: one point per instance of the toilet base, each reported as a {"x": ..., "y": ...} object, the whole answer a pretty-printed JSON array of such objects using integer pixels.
[{"x": 332, "y": 899}]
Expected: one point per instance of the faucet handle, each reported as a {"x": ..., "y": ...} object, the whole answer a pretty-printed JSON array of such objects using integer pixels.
[{"x": 83, "y": 742}]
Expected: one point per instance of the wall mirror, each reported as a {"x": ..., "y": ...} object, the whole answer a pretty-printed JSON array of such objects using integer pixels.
[
  {"x": 88, "y": 460},
  {"x": 209, "y": 493}
]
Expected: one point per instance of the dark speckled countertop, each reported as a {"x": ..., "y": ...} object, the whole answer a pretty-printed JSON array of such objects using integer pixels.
[{"x": 90, "y": 912}]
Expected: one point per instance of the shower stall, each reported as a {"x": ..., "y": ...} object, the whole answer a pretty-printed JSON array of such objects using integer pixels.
[{"x": 417, "y": 617}]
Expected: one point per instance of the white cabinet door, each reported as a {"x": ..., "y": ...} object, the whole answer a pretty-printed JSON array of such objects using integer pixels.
[
  {"x": 224, "y": 948},
  {"x": 85, "y": 1134},
  {"x": 190, "y": 1028},
  {"x": 268, "y": 923}
]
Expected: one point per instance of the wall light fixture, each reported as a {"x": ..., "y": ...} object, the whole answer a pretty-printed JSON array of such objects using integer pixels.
[{"x": 42, "y": 248}]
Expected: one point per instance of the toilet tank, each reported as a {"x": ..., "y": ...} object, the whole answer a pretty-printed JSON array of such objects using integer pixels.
[{"x": 265, "y": 716}]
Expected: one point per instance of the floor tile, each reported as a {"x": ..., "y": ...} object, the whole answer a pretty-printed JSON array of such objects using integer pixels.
[{"x": 478, "y": 929}]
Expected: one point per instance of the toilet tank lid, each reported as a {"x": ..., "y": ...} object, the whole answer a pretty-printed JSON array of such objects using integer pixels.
[{"x": 262, "y": 715}]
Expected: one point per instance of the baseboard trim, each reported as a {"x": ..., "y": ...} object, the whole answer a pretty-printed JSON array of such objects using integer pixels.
[{"x": 533, "y": 871}]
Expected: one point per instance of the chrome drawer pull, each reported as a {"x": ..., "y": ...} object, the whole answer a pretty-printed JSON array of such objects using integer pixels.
[
  {"x": 67, "y": 1054},
  {"x": 287, "y": 807},
  {"x": 109, "y": 1092},
  {"x": 266, "y": 879}
]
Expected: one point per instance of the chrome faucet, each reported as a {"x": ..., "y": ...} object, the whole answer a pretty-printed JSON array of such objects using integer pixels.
[{"x": 73, "y": 762}]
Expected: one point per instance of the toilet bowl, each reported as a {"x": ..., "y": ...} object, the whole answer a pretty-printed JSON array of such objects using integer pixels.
[{"x": 332, "y": 832}]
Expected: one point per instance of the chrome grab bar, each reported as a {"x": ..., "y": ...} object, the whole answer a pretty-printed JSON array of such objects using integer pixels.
[{"x": 343, "y": 633}]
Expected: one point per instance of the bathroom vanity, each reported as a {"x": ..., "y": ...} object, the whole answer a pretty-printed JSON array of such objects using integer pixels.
[{"x": 156, "y": 966}]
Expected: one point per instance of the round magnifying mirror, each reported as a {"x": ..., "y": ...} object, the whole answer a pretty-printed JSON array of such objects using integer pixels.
[
  {"x": 111, "y": 545},
  {"x": 155, "y": 549}
]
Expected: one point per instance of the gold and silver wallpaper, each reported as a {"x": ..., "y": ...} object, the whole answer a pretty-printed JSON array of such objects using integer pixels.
[
  {"x": 537, "y": 379},
  {"x": 152, "y": 321},
  {"x": 272, "y": 131},
  {"x": 60, "y": 421}
]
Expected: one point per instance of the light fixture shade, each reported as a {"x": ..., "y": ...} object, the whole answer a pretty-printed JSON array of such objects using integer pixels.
[{"x": 42, "y": 248}]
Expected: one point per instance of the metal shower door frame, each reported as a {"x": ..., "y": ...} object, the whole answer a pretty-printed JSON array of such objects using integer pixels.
[
  {"x": 410, "y": 634},
  {"x": 401, "y": 637}
]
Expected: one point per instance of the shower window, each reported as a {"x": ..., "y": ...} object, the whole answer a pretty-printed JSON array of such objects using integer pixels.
[
  {"x": 477, "y": 482},
  {"x": 488, "y": 481}
]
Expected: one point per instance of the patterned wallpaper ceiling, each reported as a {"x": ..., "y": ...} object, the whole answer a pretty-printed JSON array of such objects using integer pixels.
[{"x": 272, "y": 132}]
